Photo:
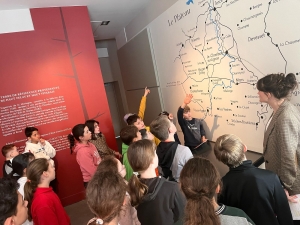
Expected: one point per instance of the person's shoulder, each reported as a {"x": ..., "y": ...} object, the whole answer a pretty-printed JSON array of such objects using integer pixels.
[
  {"x": 232, "y": 211},
  {"x": 182, "y": 147},
  {"x": 169, "y": 185},
  {"x": 289, "y": 110},
  {"x": 183, "y": 150}
]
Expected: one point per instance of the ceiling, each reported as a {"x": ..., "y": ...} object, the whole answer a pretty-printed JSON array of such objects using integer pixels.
[{"x": 118, "y": 12}]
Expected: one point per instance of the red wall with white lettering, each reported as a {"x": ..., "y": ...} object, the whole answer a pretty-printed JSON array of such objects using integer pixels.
[{"x": 51, "y": 79}]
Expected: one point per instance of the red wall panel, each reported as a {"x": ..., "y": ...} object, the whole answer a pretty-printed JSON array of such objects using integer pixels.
[{"x": 51, "y": 79}]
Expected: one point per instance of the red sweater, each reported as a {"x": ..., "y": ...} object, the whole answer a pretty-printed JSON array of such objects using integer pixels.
[
  {"x": 88, "y": 159},
  {"x": 47, "y": 209}
]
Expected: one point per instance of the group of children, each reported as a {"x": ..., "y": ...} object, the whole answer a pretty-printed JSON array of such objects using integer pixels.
[
  {"x": 160, "y": 180},
  {"x": 34, "y": 199}
]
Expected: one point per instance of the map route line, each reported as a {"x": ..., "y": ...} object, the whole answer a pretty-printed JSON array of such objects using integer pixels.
[
  {"x": 269, "y": 35},
  {"x": 223, "y": 51}
]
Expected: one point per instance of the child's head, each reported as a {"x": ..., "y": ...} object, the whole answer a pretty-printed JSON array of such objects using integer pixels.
[
  {"x": 81, "y": 133},
  {"x": 39, "y": 171},
  {"x": 20, "y": 163},
  {"x": 136, "y": 121},
  {"x": 105, "y": 195},
  {"x": 9, "y": 151},
  {"x": 93, "y": 126},
  {"x": 146, "y": 134},
  {"x": 161, "y": 127},
  {"x": 32, "y": 134},
  {"x": 141, "y": 155},
  {"x": 169, "y": 115},
  {"x": 187, "y": 113},
  {"x": 130, "y": 134},
  {"x": 111, "y": 163},
  {"x": 200, "y": 181},
  {"x": 230, "y": 150},
  {"x": 13, "y": 210}
]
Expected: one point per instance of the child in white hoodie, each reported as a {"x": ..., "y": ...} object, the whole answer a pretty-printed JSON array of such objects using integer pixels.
[{"x": 39, "y": 147}]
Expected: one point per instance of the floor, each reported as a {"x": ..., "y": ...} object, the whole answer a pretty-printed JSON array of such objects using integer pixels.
[{"x": 80, "y": 214}]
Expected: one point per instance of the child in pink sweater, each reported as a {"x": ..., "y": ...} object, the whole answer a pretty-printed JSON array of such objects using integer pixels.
[{"x": 87, "y": 155}]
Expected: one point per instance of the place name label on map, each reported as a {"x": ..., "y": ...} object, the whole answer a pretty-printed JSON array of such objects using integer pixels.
[
  {"x": 254, "y": 103},
  {"x": 251, "y": 96},
  {"x": 257, "y": 6},
  {"x": 227, "y": 36},
  {"x": 217, "y": 98},
  {"x": 232, "y": 2},
  {"x": 234, "y": 65},
  {"x": 236, "y": 73},
  {"x": 242, "y": 121},
  {"x": 239, "y": 115},
  {"x": 256, "y": 37},
  {"x": 243, "y": 27},
  {"x": 193, "y": 71},
  {"x": 178, "y": 17},
  {"x": 225, "y": 109},
  {"x": 200, "y": 110},
  {"x": 243, "y": 107},
  {"x": 290, "y": 42},
  {"x": 171, "y": 84},
  {"x": 207, "y": 49},
  {"x": 252, "y": 17}
]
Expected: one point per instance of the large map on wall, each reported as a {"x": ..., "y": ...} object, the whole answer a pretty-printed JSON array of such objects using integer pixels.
[{"x": 217, "y": 50}]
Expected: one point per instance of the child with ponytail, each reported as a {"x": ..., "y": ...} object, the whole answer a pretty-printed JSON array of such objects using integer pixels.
[
  {"x": 87, "y": 155},
  {"x": 105, "y": 195},
  {"x": 200, "y": 183},
  {"x": 44, "y": 206},
  {"x": 157, "y": 200},
  {"x": 128, "y": 214}
]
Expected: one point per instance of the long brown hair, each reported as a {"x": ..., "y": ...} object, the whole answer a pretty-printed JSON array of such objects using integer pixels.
[
  {"x": 34, "y": 172},
  {"x": 199, "y": 180},
  {"x": 140, "y": 155},
  {"x": 105, "y": 195}
]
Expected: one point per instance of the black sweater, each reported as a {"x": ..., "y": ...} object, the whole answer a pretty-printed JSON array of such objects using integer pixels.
[
  {"x": 258, "y": 192},
  {"x": 192, "y": 130},
  {"x": 163, "y": 204}
]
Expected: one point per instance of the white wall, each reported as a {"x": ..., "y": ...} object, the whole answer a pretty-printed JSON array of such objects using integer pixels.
[{"x": 152, "y": 11}]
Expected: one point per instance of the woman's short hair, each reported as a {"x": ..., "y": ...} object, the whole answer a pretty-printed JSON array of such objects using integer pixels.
[{"x": 229, "y": 149}]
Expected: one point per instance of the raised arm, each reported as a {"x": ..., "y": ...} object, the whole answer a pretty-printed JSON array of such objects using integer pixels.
[
  {"x": 142, "y": 107},
  {"x": 186, "y": 101}
]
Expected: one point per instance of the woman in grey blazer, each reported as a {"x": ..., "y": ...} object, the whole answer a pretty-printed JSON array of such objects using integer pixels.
[{"x": 281, "y": 147}]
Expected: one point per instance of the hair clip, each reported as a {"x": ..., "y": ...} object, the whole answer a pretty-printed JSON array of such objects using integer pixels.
[
  {"x": 28, "y": 180},
  {"x": 136, "y": 173},
  {"x": 99, "y": 221}
]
